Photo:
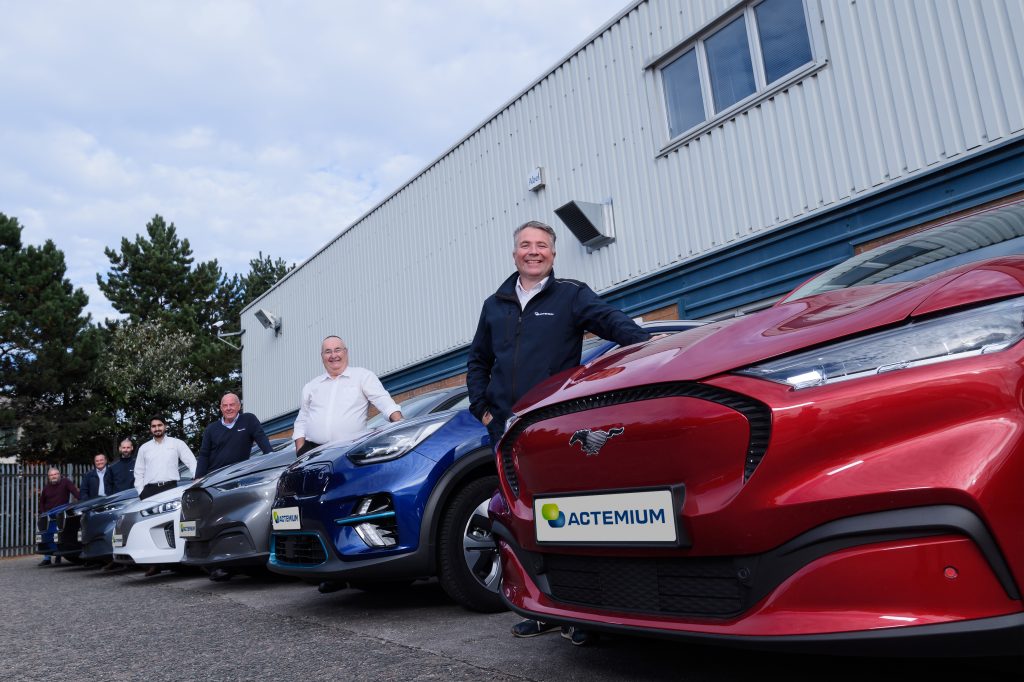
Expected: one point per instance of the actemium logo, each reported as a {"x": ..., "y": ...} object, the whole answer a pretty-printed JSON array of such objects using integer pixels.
[
  {"x": 555, "y": 518},
  {"x": 275, "y": 516}
]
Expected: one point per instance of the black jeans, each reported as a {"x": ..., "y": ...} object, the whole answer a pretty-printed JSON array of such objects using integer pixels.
[
  {"x": 307, "y": 446},
  {"x": 151, "y": 489}
]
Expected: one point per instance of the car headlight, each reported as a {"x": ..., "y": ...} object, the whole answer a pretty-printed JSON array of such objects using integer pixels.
[
  {"x": 250, "y": 481},
  {"x": 162, "y": 508},
  {"x": 396, "y": 441},
  {"x": 987, "y": 329}
]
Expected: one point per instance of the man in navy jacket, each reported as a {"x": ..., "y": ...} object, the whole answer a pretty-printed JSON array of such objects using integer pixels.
[
  {"x": 532, "y": 327},
  {"x": 230, "y": 439},
  {"x": 98, "y": 482},
  {"x": 124, "y": 468}
]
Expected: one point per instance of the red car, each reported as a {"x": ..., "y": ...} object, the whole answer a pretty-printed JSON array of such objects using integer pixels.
[{"x": 842, "y": 472}]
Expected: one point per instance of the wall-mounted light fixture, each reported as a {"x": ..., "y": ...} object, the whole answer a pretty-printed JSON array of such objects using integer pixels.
[
  {"x": 269, "y": 320},
  {"x": 223, "y": 337},
  {"x": 591, "y": 223}
]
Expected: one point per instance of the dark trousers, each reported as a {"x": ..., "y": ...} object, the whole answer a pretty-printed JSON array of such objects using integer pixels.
[
  {"x": 307, "y": 446},
  {"x": 151, "y": 489}
]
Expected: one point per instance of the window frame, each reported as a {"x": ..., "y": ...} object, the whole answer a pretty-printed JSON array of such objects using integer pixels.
[{"x": 762, "y": 90}]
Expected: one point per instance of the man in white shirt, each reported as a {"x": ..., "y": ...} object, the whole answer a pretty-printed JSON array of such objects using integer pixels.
[
  {"x": 334, "y": 405},
  {"x": 156, "y": 466}
]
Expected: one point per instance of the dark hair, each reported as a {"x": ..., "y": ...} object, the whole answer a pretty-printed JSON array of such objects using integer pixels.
[
  {"x": 158, "y": 418},
  {"x": 537, "y": 225}
]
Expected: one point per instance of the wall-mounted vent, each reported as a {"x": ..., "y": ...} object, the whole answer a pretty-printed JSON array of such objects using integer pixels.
[{"x": 591, "y": 223}]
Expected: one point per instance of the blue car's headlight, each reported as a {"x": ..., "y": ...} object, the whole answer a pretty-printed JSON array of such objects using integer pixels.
[
  {"x": 396, "y": 441},
  {"x": 250, "y": 481},
  {"x": 162, "y": 508},
  {"x": 972, "y": 332}
]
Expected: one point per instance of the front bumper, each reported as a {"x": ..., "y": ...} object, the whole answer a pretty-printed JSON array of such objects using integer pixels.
[
  {"x": 96, "y": 529},
  {"x": 232, "y": 527},
  {"x": 148, "y": 540}
]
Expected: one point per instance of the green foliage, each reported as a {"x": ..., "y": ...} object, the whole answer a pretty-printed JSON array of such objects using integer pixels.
[{"x": 48, "y": 356}]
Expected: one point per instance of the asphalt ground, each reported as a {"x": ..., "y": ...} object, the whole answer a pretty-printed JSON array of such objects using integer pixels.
[{"x": 80, "y": 623}]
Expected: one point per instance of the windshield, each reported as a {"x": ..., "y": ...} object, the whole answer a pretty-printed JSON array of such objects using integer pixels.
[
  {"x": 991, "y": 234},
  {"x": 412, "y": 407}
]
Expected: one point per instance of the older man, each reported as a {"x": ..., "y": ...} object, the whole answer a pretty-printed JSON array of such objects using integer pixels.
[
  {"x": 531, "y": 328},
  {"x": 99, "y": 481},
  {"x": 334, "y": 405},
  {"x": 57, "y": 491},
  {"x": 230, "y": 439}
]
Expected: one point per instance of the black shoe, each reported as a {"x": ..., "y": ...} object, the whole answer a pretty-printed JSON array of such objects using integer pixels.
[
  {"x": 112, "y": 566},
  {"x": 328, "y": 586},
  {"x": 533, "y": 628},
  {"x": 219, "y": 575},
  {"x": 153, "y": 570},
  {"x": 56, "y": 561},
  {"x": 578, "y": 637},
  {"x": 44, "y": 562}
]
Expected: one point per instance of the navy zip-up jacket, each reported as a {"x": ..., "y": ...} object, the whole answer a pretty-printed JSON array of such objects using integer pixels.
[
  {"x": 222, "y": 446},
  {"x": 123, "y": 471},
  {"x": 91, "y": 484},
  {"x": 515, "y": 349}
]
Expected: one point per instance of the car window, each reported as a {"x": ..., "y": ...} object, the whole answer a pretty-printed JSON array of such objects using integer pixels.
[
  {"x": 990, "y": 234},
  {"x": 412, "y": 407}
]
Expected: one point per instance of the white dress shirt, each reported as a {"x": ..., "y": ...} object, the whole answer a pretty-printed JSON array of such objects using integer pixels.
[
  {"x": 103, "y": 489},
  {"x": 335, "y": 409},
  {"x": 158, "y": 462},
  {"x": 523, "y": 295}
]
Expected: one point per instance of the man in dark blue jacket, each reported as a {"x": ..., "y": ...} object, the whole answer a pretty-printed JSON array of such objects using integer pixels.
[
  {"x": 99, "y": 481},
  {"x": 532, "y": 327},
  {"x": 123, "y": 469},
  {"x": 230, "y": 439}
]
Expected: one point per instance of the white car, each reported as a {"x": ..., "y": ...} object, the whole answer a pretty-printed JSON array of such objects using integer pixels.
[{"x": 147, "y": 531}]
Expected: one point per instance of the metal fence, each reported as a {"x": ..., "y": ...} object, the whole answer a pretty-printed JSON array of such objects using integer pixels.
[{"x": 19, "y": 503}]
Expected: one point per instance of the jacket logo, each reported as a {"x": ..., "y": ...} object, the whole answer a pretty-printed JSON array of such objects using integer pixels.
[
  {"x": 540, "y": 314},
  {"x": 592, "y": 441}
]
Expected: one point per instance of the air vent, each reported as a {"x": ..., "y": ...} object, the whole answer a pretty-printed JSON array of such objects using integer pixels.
[{"x": 591, "y": 223}]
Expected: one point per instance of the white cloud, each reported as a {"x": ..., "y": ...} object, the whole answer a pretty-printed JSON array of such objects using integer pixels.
[{"x": 250, "y": 125}]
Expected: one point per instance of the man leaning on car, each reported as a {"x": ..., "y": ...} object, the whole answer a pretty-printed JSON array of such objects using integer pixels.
[
  {"x": 99, "y": 481},
  {"x": 333, "y": 406},
  {"x": 57, "y": 491},
  {"x": 230, "y": 439},
  {"x": 530, "y": 329},
  {"x": 156, "y": 468},
  {"x": 123, "y": 470}
]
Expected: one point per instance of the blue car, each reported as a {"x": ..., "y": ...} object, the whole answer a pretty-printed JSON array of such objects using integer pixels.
[{"x": 403, "y": 503}]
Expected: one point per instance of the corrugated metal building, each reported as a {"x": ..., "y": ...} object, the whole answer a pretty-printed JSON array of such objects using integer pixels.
[{"x": 737, "y": 148}]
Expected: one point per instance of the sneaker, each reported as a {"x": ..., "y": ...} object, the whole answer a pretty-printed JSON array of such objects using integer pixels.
[
  {"x": 45, "y": 562},
  {"x": 219, "y": 575},
  {"x": 56, "y": 562},
  {"x": 153, "y": 570},
  {"x": 578, "y": 637},
  {"x": 328, "y": 586},
  {"x": 532, "y": 628}
]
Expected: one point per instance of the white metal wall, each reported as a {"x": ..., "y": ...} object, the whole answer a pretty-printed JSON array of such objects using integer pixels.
[{"x": 906, "y": 87}]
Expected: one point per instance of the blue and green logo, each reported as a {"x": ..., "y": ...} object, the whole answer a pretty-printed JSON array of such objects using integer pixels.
[{"x": 555, "y": 518}]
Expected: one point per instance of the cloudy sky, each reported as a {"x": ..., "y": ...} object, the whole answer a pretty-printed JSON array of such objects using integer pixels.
[{"x": 251, "y": 125}]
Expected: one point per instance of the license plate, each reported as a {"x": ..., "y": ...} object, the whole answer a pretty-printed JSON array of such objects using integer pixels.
[
  {"x": 607, "y": 519},
  {"x": 79, "y": 536},
  {"x": 285, "y": 518},
  {"x": 39, "y": 539},
  {"x": 117, "y": 540},
  {"x": 187, "y": 529}
]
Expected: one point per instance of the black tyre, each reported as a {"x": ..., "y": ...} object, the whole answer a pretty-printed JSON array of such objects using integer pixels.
[{"x": 468, "y": 564}]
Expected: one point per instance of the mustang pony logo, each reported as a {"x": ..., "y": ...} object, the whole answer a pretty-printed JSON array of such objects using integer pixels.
[{"x": 593, "y": 441}]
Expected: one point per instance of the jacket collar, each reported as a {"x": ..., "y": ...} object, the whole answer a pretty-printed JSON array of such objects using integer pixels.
[{"x": 507, "y": 290}]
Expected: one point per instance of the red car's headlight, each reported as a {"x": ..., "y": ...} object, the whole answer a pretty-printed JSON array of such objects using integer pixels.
[{"x": 988, "y": 329}]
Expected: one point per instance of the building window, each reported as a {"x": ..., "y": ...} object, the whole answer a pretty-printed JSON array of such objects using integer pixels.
[{"x": 760, "y": 45}]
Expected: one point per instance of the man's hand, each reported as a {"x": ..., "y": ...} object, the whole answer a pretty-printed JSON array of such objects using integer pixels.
[
  {"x": 486, "y": 419},
  {"x": 396, "y": 416},
  {"x": 299, "y": 442}
]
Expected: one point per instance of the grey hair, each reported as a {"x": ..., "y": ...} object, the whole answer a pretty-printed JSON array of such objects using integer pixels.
[
  {"x": 536, "y": 224},
  {"x": 52, "y": 469}
]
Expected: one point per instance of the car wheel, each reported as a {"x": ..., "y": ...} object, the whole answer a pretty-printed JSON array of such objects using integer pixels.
[{"x": 468, "y": 565}]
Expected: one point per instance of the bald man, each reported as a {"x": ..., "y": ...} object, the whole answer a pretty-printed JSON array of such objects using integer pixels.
[{"x": 230, "y": 439}]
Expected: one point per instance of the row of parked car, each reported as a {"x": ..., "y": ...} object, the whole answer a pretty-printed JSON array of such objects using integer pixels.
[
  {"x": 843, "y": 470},
  {"x": 405, "y": 501}
]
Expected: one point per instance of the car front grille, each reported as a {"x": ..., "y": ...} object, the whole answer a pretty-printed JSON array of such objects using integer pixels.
[
  {"x": 758, "y": 417},
  {"x": 709, "y": 587},
  {"x": 298, "y": 548},
  {"x": 42, "y": 523},
  {"x": 197, "y": 549},
  {"x": 195, "y": 504}
]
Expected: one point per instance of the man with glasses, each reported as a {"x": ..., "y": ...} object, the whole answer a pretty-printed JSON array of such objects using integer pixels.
[{"x": 333, "y": 406}]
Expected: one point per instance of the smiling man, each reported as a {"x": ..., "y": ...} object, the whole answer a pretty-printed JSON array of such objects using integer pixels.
[
  {"x": 156, "y": 467},
  {"x": 230, "y": 439},
  {"x": 334, "y": 405},
  {"x": 531, "y": 328}
]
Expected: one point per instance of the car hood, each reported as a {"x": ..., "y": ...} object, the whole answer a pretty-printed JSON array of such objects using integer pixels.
[
  {"x": 254, "y": 465},
  {"x": 787, "y": 327},
  {"x": 99, "y": 501}
]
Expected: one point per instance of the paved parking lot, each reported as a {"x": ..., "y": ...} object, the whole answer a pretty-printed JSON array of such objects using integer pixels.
[{"x": 83, "y": 623}]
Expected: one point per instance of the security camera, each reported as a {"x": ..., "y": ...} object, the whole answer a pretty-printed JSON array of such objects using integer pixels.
[
  {"x": 268, "y": 319},
  {"x": 218, "y": 324}
]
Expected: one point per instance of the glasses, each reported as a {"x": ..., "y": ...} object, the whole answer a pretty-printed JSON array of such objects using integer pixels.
[{"x": 333, "y": 351}]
